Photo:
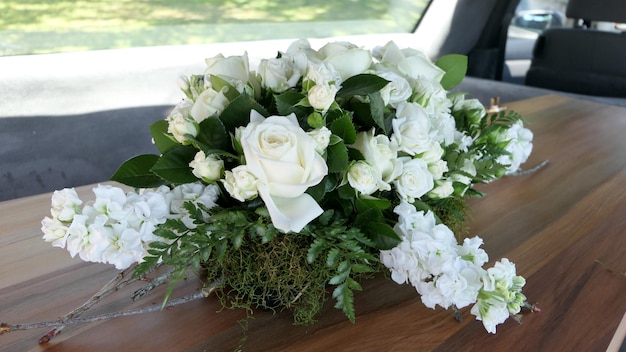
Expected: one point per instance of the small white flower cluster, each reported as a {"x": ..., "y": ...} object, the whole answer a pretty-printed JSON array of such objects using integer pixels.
[
  {"x": 520, "y": 146},
  {"x": 447, "y": 274},
  {"x": 117, "y": 227}
]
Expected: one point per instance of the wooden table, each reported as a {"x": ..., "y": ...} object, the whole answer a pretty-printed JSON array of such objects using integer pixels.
[{"x": 564, "y": 227}]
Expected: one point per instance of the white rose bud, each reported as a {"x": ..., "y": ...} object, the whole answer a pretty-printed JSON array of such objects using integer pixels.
[
  {"x": 240, "y": 183},
  {"x": 209, "y": 103},
  {"x": 179, "y": 126},
  {"x": 232, "y": 68},
  {"x": 346, "y": 57},
  {"x": 437, "y": 168},
  {"x": 443, "y": 190},
  {"x": 365, "y": 178},
  {"x": 321, "y": 97},
  {"x": 321, "y": 136},
  {"x": 207, "y": 168}
]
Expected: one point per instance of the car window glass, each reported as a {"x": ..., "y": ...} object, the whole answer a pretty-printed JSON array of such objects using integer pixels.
[{"x": 43, "y": 26}]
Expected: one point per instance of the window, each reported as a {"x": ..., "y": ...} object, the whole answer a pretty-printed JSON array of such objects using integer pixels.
[{"x": 44, "y": 26}]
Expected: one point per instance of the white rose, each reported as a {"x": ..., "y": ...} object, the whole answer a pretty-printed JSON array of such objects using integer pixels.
[
  {"x": 321, "y": 136},
  {"x": 207, "y": 168},
  {"x": 380, "y": 153},
  {"x": 411, "y": 129},
  {"x": 322, "y": 96},
  {"x": 210, "y": 102},
  {"x": 283, "y": 158},
  {"x": 410, "y": 62},
  {"x": 232, "y": 68},
  {"x": 431, "y": 95},
  {"x": 397, "y": 90},
  {"x": 240, "y": 183},
  {"x": 433, "y": 154},
  {"x": 415, "y": 180},
  {"x": 278, "y": 74},
  {"x": 443, "y": 190},
  {"x": 365, "y": 178},
  {"x": 322, "y": 73},
  {"x": 346, "y": 58},
  {"x": 443, "y": 128}
]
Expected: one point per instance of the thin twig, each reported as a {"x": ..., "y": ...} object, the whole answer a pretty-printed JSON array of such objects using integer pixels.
[
  {"x": 121, "y": 279},
  {"x": 152, "y": 284},
  {"x": 205, "y": 292},
  {"x": 531, "y": 170}
]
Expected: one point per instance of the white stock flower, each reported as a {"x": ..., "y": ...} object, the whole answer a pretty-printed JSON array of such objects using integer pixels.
[
  {"x": 65, "y": 204},
  {"x": 381, "y": 154},
  {"x": 321, "y": 96},
  {"x": 491, "y": 312},
  {"x": 207, "y": 168},
  {"x": 520, "y": 146},
  {"x": 415, "y": 179},
  {"x": 110, "y": 201},
  {"x": 279, "y": 74},
  {"x": 124, "y": 247},
  {"x": 365, "y": 178},
  {"x": 346, "y": 58},
  {"x": 240, "y": 183},
  {"x": 283, "y": 159},
  {"x": 411, "y": 129},
  {"x": 210, "y": 102},
  {"x": 321, "y": 136},
  {"x": 54, "y": 231}
]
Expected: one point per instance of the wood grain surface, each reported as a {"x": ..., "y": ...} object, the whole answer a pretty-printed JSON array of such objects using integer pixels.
[{"x": 564, "y": 227}]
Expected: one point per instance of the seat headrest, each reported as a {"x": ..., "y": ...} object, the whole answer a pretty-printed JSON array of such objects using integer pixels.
[{"x": 609, "y": 11}]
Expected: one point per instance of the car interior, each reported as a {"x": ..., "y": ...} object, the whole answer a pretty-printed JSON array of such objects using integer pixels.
[{"x": 69, "y": 119}]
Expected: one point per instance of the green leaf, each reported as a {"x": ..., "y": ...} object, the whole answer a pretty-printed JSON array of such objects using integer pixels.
[
  {"x": 362, "y": 84},
  {"x": 288, "y": 102},
  {"x": 162, "y": 140},
  {"x": 383, "y": 236},
  {"x": 345, "y": 300},
  {"x": 213, "y": 134},
  {"x": 377, "y": 110},
  {"x": 135, "y": 172},
  {"x": 173, "y": 166},
  {"x": 368, "y": 202},
  {"x": 368, "y": 215},
  {"x": 344, "y": 129},
  {"x": 237, "y": 113},
  {"x": 455, "y": 66},
  {"x": 337, "y": 157},
  {"x": 218, "y": 84}
]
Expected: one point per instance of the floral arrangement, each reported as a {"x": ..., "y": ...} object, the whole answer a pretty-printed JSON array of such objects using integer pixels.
[{"x": 306, "y": 175}]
